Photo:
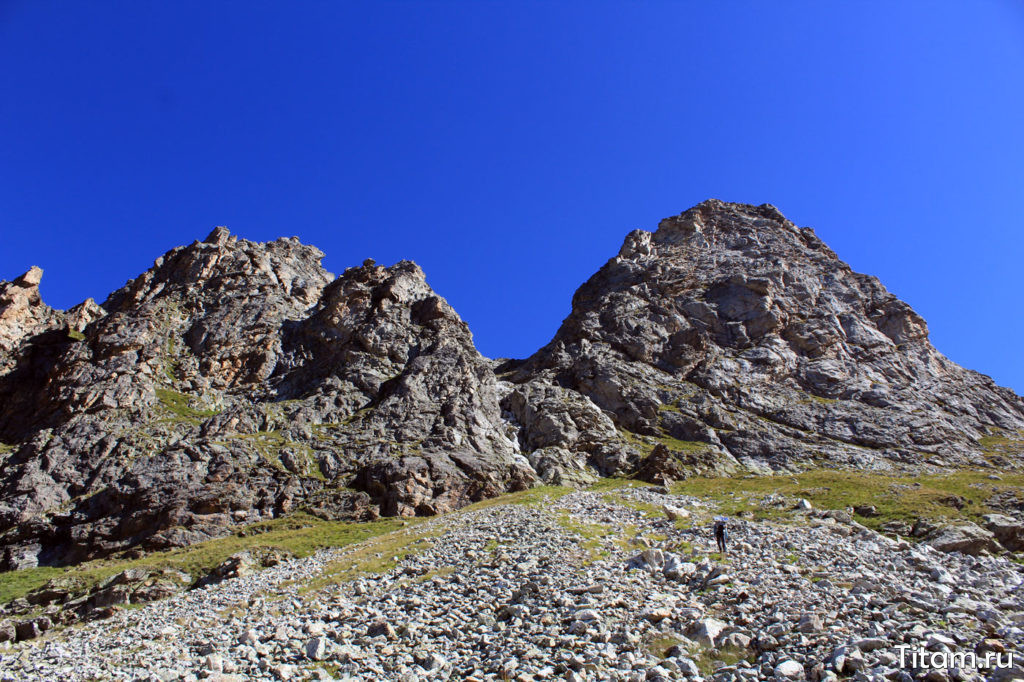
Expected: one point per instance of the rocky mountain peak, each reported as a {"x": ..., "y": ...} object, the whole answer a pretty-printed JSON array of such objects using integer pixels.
[
  {"x": 223, "y": 264},
  {"x": 22, "y": 312},
  {"x": 31, "y": 279},
  {"x": 219, "y": 236},
  {"x": 236, "y": 381},
  {"x": 745, "y": 338},
  {"x": 714, "y": 215},
  {"x": 232, "y": 382}
]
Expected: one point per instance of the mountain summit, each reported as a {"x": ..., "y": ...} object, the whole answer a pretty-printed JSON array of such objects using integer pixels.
[
  {"x": 237, "y": 381},
  {"x": 747, "y": 343}
]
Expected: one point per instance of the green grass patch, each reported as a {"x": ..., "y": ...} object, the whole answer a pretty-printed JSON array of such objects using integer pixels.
[
  {"x": 6, "y": 448},
  {"x": 902, "y": 498},
  {"x": 332, "y": 669},
  {"x": 617, "y": 483},
  {"x": 660, "y": 645},
  {"x": 710, "y": 660},
  {"x": 614, "y": 491},
  {"x": 532, "y": 497},
  {"x": 646, "y": 443},
  {"x": 651, "y": 511},
  {"x": 1002, "y": 446},
  {"x": 76, "y": 335},
  {"x": 442, "y": 572},
  {"x": 591, "y": 536},
  {"x": 376, "y": 555},
  {"x": 179, "y": 405},
  {"x": 298, "y": 534},
  {"x": 14, "y": 584},
  {"x": 811, "y": 398}
]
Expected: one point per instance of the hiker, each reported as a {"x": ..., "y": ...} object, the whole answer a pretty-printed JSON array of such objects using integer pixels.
[{"x": 721, "y": 534}]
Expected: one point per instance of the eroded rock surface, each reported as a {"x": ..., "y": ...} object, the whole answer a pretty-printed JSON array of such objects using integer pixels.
[
  {"x": 233, "y": 382},
  {"x": 237, "y": 381},
  {"x": 730, "y": 335}
]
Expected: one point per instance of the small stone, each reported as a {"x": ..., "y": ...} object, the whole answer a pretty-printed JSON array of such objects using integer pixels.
[
  {"x": 214, "y": 663},
  {"x": 381, "y": 628},
  {"x": 283, "y": 671},
  {"x": 316, "y": 648},
  {"x": 250, "y": 637},
  {"x": 810, "y": 623},
  {"x": 587, "y": 615},
  {"x": 657, "y": 615},
  {"x": 789, "y": 670},
  {"x": 706, "y": 631},
  {"x": 675, "y": 513}
]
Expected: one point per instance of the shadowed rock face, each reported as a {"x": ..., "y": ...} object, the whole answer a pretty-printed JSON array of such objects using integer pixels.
[
  {"x": 746, "y": 338},
  {"x": 237, "y": 381}
]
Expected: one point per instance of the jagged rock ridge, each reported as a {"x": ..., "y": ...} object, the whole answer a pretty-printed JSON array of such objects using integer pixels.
[
  {"x": 233, "y": 382},
  {"x": 236, "y": 381}
]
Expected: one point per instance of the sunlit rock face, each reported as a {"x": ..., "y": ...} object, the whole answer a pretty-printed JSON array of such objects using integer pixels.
[{"x": 740, "y": 340}]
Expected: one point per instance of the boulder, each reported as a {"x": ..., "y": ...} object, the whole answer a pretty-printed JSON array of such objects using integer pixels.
[
  {"x": 675, "y": 513},
  {"x": 651, "y": 560},
  {"x": 1007, "y": 530},
  {"x": 677, "y": 569},
  {"x": 316, "y": 648},
  {"x": 662, "y": 466},
  {"x": 789, "y": 670},
  {"x": 706, "y": 631},
  {"x": 810, "y": 623},
  {"x": 966, "y": 538},
  {"x": 558, "y": 466}
]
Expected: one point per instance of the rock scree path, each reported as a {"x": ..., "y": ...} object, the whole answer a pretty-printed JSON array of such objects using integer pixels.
[{"x": 589, "y": 586}]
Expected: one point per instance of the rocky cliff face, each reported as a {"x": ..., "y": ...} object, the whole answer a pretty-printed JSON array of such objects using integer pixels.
[
  {"x": 236, "y": 381},
  {"x": 735, "y": 340},
  {"x": 233, "y": 382}
]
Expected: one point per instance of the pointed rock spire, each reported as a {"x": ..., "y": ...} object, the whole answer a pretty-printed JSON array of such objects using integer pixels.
[
  {"x": 32, "y": 278},
  {"x": 219, "y": 236}
]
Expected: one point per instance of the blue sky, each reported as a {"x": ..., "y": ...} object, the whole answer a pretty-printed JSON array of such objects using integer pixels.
[{"x": 509, "y": 147}]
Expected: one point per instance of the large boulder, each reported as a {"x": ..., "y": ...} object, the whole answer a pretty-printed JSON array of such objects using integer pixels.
[
  {"x": 966, "y": 538},
  {"x": 1007, "y": 530},
  {"x": 558, "y": 466}
]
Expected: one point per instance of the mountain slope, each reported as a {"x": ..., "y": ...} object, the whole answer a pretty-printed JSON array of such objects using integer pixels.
[
  {"x": 741, "y": 340},
  {"x": 237, "y": 381}
]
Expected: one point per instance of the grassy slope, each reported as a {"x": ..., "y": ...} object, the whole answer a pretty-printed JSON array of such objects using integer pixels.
[
  {"x": 895, "y": 497},
  {"x": 299, "y": 534},
  {"x": 387, "y": 540}
]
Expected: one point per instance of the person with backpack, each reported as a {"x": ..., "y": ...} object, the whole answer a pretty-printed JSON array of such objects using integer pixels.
[{"x": 721, "y": 534}]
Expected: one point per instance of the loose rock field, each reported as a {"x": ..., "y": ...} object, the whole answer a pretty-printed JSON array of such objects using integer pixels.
[{"x": 589, "y": 586}]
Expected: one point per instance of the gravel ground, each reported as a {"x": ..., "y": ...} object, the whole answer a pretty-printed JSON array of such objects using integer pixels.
[{"x": 586, "y": 587}]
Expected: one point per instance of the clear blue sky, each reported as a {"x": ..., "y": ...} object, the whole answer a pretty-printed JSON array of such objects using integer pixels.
[{"x": 508, "y": 147}]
